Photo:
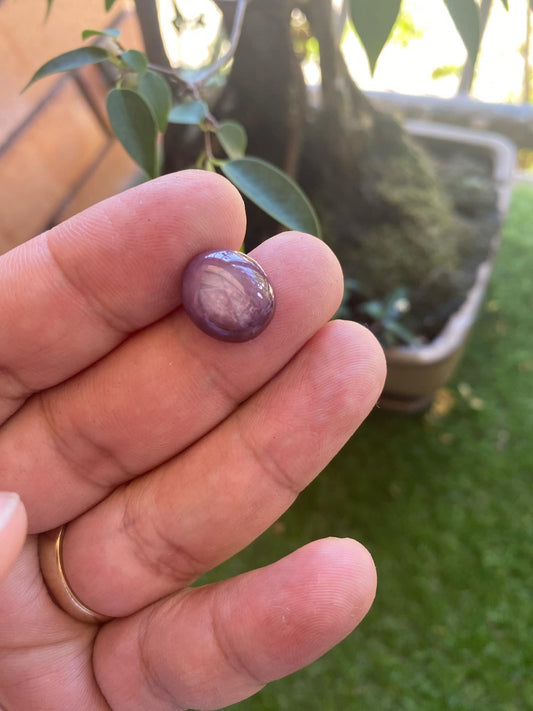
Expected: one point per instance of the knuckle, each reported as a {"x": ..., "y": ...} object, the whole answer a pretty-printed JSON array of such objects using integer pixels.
[
  {"x": 264, "y": 455},
  {"x": 88, "y": 460},
  {"x": 156, "y": 546}
]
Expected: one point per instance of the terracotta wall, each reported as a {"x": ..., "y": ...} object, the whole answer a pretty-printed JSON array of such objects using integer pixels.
[{"x": 57, "y": 154}]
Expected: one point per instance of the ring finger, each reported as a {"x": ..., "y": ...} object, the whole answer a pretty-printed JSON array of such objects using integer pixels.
[{"x": 161, "y": 531}]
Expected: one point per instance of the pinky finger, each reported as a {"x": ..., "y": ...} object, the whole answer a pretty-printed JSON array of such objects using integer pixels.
[
  {"x": 205, "y": 648},
  {"x": 13, "y": 526}
]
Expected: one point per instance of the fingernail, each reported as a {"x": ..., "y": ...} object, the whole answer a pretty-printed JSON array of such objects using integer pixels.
[{"x": 8, "y": 503}]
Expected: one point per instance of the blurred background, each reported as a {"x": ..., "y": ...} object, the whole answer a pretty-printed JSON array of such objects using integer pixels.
[
  {"x": 56, "y": 147},
  {"x": 443, "y": 499}
]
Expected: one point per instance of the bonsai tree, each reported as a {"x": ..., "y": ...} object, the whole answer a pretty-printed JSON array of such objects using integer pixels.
[{"x": 336, "y": 167}]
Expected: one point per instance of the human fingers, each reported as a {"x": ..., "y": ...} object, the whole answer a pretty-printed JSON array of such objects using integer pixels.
[
  {"x": 209, "y": 647},
  {"x": 13, "y": 525},
  {"x": 72, "y": 294},
  {"x": 45, "y": 655},
  {"x": 160, "y": 391},
  {"x": 163, "y": 530}
]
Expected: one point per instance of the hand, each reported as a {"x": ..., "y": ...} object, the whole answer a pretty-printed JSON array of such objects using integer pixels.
[
  {"x": 13, "y": 526},
  {"x": 166, "y": 452}
]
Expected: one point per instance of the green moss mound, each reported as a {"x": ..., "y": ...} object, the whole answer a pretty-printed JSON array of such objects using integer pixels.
[{"x": 398, "y": 216}]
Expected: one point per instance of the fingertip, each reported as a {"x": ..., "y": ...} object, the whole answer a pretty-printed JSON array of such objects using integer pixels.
[
  {"x": 371, "y": 352},
  {"x": 220, "y": 197},
  {"x": 308, "y": 254},
  {"x": 360, "y": 361},
  {"x": 310, "y": 248},
  {"x": 13, "y": 527},
  {"x": 301, "y": 606},
  {"x": 183, "y": 208},
  {"x": 357, "y": 571},
  {"x": 341, "y": 576},
  {"x": 237, "y": 635},
  {"x": 310, "y": 260},
  {"x": 193, "y": 197}
]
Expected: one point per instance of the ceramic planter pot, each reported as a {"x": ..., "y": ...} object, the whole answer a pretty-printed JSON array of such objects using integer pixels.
[{"x": 415, "y": 373}]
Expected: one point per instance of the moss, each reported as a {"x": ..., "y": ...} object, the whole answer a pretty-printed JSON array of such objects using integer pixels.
[
  {"x": 402, "y": 218},
  {"x": 419, "y": 236}
]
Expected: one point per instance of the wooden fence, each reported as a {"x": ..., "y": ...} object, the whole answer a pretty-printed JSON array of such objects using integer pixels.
[{"x": 57, "y": 153}]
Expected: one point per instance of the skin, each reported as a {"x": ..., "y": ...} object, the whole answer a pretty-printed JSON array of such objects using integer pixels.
[
  {"x": 13, "y": 527},
  {"x": 167, "y": 452}
]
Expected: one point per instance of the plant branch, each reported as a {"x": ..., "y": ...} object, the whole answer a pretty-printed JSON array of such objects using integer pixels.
[
  {"x": 193, "y": 86},
  {"x": 336, "y": 79},
  {"x": 238, "y": 21},
  {"x": 339, "y": 21},
  {"x": 174, "y": 75}
]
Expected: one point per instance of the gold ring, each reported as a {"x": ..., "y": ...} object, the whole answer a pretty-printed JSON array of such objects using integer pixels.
[{"x": 51, "y": 560}]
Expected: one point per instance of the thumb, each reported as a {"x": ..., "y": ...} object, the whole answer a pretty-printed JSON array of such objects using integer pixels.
[{"x": 13, "y": 525}]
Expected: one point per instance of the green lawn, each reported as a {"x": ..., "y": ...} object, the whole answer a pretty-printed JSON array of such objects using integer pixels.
[{"x": 445, "y": 505}]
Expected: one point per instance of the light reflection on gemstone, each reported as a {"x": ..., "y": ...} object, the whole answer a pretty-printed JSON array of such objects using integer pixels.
[{"x": 228, "y": 295}]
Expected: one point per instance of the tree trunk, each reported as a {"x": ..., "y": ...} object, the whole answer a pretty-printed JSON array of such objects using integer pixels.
[
  {"x": 526, "y": 91},
  {"x": 266, "y": 93},
  {"x": 149, "y": 22},
  {"x": 467, "y": 77}
]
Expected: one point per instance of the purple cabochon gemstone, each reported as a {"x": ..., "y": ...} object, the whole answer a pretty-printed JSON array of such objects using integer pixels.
[{"x": 228, "y": 295}]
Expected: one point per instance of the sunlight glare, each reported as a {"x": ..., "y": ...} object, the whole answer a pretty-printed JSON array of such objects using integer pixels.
[{"x": 192, "y": 46}]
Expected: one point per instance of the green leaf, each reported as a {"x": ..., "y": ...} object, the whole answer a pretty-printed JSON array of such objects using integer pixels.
[
  {"x": 70, "y": 60},
  {"x": 49, "y": 4},
  {"x": 374, "y": 309},
  {"x": 191, "y": 112},
  {"x": 465, "y": 14},
  {"x": 400, "y": 331},
  {"x": 155, "y": 90},
  {"x": 138, "y": 61},
  {"x": 109, "y": 4},
  {"x": 112, "y": 32},
  {"x": 134, "y": 125},
  {"x": 233, "y": 138},
  {"x": 505, "y": 3},
  {"x": 447, "y": 70},
  {"x": 373, "y": 21},
  {"x": 274, "y": 192},
  {"x": 352, "y": 286}
]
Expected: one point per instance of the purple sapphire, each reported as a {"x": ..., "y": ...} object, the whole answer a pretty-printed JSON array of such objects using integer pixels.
[{"x": 228, "y": 295}]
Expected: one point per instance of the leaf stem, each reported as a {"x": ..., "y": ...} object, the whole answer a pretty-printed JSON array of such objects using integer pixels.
[
  {"x": 236, "y": 31},
  {"x": 193, "y": 87}
]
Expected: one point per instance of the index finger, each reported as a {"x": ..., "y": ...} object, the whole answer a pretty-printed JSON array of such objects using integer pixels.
[{"x": 72, "y": 294}]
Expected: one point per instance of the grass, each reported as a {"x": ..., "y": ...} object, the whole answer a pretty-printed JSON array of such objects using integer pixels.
[{"x": 445, "y": 505}]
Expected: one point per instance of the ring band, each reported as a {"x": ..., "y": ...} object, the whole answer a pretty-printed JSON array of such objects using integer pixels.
[{"x": 51, "y": 560}]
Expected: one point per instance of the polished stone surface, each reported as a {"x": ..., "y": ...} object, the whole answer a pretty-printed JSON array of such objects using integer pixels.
[{"x": 228, "y": 295}]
